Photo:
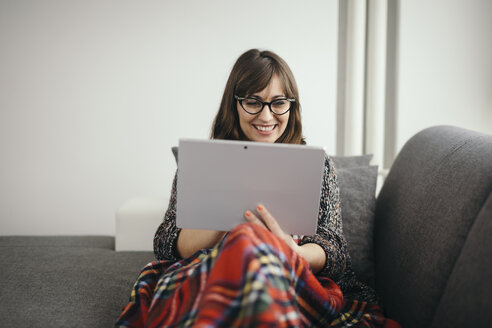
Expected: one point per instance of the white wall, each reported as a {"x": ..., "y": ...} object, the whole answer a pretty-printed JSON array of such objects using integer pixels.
[
  {"x": 445, "y": 66},
  {"x": 94, "y": 93}
]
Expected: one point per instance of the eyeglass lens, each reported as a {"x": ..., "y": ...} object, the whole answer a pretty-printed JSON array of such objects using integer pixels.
[{"x": 254, "y": 106}]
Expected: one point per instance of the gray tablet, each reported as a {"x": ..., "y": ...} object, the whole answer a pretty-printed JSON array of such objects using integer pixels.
[{"x": 218, "y": 180}]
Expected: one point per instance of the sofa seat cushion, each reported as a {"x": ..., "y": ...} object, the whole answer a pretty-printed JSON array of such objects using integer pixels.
[
  {"x": 105, "y": 242},
  {"x": 59, "y": 282}
]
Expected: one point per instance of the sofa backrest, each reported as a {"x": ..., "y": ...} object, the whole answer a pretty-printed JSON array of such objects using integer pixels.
[{"x": 433, "y": 244}]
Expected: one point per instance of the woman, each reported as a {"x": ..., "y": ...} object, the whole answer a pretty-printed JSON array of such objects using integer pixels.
[{"x": 256, "y": 274}]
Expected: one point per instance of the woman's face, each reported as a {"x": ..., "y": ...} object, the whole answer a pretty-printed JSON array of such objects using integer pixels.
[{"x": 264, "y": 126}]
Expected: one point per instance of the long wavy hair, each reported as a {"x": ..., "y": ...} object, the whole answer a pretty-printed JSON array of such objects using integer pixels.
[{"x": 252, "y": 73}]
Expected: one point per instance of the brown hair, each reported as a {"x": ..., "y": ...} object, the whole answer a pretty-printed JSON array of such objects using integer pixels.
[{"x": 252, "y": 73}]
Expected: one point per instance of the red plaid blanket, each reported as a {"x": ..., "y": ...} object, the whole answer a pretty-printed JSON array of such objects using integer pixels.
[{"x": 250, "y": 279}]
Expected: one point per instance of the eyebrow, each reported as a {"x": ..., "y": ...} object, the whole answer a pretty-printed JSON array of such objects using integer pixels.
[{"x": 274, "y": 97}]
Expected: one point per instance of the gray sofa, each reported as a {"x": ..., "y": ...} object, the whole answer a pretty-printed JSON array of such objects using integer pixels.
[
  {"x": 433, "y": 231},
  {"x": 432, "y": 248}
]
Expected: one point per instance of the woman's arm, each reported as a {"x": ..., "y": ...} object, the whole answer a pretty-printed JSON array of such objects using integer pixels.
[
  {"x": 190, "y": 240},
  {"x": 172, "y": 243},
  {"x": 166, "y": 236},
  {"x": 314, "y": 254},
  {"x": 329, "y": 235}
]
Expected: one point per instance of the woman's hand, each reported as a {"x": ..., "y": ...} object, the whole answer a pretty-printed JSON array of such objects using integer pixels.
[
  {"x": 312, "y": 253},
  {"x": 267, "y": 221}
]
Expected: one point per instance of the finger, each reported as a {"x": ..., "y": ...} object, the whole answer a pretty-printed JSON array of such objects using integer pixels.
[
  {"x": 269, "y": 220},
  {"x": 254, "y": 219}
]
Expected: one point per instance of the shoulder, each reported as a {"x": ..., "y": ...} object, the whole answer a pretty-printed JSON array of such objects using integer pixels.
[
  {"x": 330, "y": 179},
  {"x": 329, "y": 162},
  {"x": 330, "y": 170}
]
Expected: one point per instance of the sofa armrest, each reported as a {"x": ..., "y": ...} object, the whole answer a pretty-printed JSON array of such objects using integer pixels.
[
  {"x": 427, "y": 228},
  {"x": 136, "y": 223}
]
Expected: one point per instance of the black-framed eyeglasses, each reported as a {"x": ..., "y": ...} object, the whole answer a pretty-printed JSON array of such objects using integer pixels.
[{"x": 253, "y": 106}]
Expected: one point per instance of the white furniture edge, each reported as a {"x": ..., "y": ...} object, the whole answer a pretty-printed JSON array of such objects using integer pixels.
[{"x": 136, "y": 223}]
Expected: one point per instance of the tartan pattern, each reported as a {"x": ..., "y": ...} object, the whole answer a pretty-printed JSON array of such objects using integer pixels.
[{"x": 250, "y": 279}]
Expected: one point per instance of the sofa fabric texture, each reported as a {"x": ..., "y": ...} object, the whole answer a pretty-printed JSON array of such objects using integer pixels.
[
  {"x": 65, "y": 281},
  {"x": 358, "y": 201},
  {"x": 432, "y": 254},
  {"x": 470, "y": 281}
]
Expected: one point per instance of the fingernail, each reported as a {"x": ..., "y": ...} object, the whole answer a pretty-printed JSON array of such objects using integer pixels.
[
  {"x": 259, "y": 207},
  {"x": 247, "y": 213}
]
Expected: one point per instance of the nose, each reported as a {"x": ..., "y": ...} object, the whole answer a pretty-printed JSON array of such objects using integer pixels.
[{"x": 266, "y": 114}]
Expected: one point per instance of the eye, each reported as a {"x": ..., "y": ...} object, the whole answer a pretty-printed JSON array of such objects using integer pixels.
[
  {"x": 250, "y": 102},
  {"x": 280, "y": 102}
]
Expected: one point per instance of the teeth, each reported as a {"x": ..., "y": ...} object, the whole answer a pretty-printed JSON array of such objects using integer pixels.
[{"x": 265, "y": 128}]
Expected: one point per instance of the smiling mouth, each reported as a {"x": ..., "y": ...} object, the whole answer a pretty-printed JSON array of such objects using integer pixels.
[{"x": 265, "y": 128}]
